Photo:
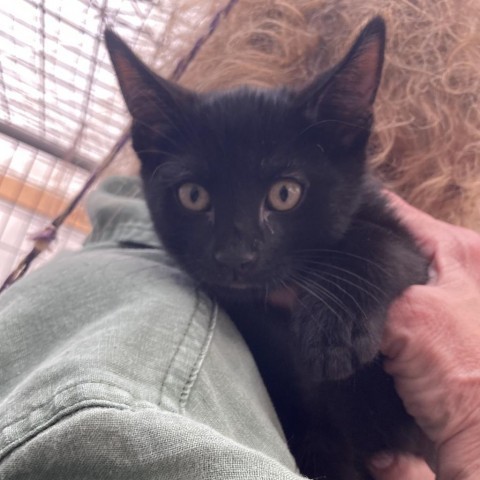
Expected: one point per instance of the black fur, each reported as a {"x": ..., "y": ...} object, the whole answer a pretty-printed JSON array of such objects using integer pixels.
[{"x": 340, "y": 253}]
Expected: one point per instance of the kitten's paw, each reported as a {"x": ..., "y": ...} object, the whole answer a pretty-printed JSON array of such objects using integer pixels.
[
  {"x": 336, "y": 363},
  {"x": 334, "y": 349},
  {"x": 341, "y": 362}
]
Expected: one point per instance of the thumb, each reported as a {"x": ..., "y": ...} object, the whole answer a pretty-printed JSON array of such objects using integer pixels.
[{"x": 388, "y": 466}]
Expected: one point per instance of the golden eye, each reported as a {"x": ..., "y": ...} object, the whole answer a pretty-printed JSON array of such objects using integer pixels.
[
  {"x": 284, "y": 195},
  {"x": 194, "y": 197}
]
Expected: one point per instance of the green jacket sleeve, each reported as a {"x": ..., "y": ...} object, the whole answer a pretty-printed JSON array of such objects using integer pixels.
[
  {"x": 125, "y": 444},
  {"x": 113, "y": 365}
]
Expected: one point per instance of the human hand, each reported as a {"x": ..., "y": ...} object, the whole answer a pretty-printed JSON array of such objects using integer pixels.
[{"x": 432, "y": 345}]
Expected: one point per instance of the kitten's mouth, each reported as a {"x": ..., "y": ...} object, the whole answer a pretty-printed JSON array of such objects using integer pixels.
[
  {"x": 238, "y": 288},
  {"x": 236, "y": 284},
  {"x": 284, "y": 297}
]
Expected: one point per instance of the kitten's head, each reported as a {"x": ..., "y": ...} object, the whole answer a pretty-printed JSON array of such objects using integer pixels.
[{"x": 243, "y": 185}]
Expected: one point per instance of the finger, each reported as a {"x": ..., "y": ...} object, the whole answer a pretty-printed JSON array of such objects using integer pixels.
[
  {"x": 422, "y": 226},
  {"x": 409, "y": 212},
  {"x": 385, "y": 466},
  {"x": 439, "y": 241}
]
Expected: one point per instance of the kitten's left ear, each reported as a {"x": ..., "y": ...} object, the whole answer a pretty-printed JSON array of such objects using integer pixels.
[
  {"x": 343, "y": 102},
  {"x": 149, "y": 97}
]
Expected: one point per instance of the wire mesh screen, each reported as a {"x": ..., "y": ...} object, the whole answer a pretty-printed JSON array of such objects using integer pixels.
[{"x": 60, "y": 107}]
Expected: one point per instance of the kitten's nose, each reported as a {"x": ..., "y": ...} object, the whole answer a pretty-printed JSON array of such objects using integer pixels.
[{"x": 238, "y": 261}]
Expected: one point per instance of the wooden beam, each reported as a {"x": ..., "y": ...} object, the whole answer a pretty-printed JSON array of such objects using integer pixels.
[{"x": 41, "y": 202}]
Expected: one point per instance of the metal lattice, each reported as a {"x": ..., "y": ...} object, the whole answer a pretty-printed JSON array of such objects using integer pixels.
[{"x": 60, "y": 107}]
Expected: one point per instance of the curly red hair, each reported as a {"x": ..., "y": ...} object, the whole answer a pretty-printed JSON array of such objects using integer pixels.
[{"x": 426, "y": 145}]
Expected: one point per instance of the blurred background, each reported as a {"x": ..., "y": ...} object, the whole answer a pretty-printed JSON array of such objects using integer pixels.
[
  {"x": 61, "y": 111},
  {"x": 60, "y": 107}
]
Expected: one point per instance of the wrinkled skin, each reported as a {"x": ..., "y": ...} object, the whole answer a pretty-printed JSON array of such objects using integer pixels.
[{"x": 431, "y": 341}]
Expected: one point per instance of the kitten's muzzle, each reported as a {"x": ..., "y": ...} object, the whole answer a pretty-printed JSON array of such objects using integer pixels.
[{"x": 240, "y": 262}]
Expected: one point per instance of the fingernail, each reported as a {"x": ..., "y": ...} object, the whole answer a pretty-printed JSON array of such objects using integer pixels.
[{"x": 383, "y": 460}]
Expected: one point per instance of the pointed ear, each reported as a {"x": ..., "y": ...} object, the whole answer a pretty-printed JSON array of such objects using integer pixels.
[
  {"x": 345, "y": 98},
  {"x": 149, "y": 98}
]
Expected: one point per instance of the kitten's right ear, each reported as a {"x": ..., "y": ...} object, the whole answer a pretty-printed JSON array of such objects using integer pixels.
[
  {"x": 342, "y": 102},
  {"x": 150, "y": 98}
]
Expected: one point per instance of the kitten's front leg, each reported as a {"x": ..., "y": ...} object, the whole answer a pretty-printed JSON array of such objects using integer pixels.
[{"x": 336, "y": 337}]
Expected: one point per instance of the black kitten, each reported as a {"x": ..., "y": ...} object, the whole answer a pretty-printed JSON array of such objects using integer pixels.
[{"x": 264, "y": 198}]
